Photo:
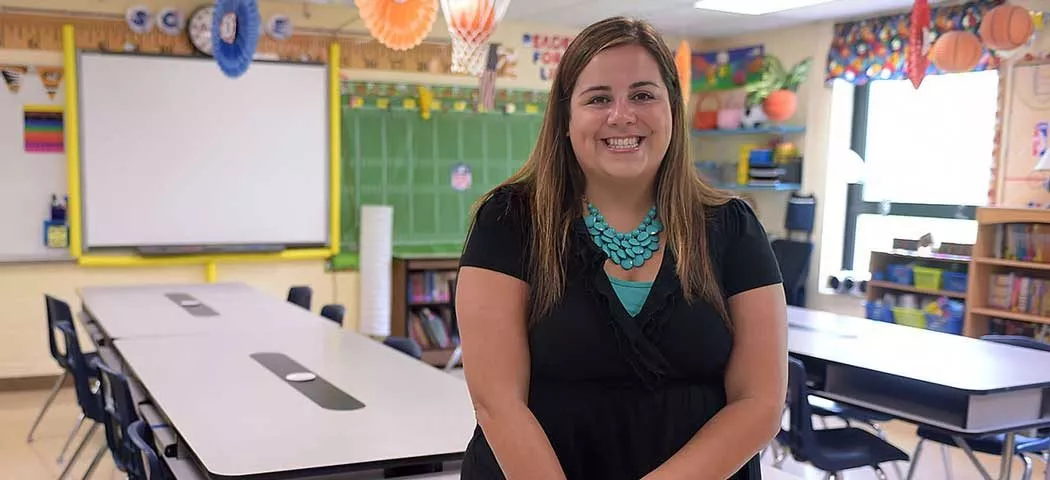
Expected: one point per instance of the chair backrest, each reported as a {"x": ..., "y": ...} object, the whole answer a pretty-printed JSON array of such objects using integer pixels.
[
  {"x": 800, "y": 414},
  {"x": 405, "y": 345},
  {"x": 141, "y": 436},
  {"x": 793, "y": 256},
  {"x": 334, "y": 312},
  {"x": 57, "y": 311},
  {"x": 1018, "y": 341},
  {"x": 301, "y": 295},
  {"x": 120, "y": 413},
  {"x": 83, "y": 374}
]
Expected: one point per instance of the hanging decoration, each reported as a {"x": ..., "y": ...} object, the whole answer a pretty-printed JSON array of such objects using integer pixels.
[
  {"x": 398, "y": 24},
  {"x": 51, "y": 77},
  {"x": 139, "y": 19},
  {"x": 170, "y": 21},
  {"x": 235, "y": 32},
  {"x": 279, "y": 27},
  {"x": 881, "y": 48},
  {"x": 470, "y": 24},
  {"x": 918, "y": 62},
  {"x": 683, "y": 61},
  {"x": 956, "y": 51},
  {"x": 13, "y": 76},
  {"x": 1006, "y": 27}
]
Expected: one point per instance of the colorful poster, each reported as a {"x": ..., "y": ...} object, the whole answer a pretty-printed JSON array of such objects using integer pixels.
[
  {"x": 727, "y": 69},
  {"x": 461, "y": 178},
  {"x": 44, "y": 131},
  {"x": 546, "y": 51},
  {"x": 13, "y": 76}
]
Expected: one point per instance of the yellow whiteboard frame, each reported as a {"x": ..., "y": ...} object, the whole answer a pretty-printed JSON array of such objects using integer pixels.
[{"x": 74, "y": 214}]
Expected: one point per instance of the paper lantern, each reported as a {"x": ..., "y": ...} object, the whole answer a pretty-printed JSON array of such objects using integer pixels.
[
  {"x": 398, "y": 24},
  {"x": 1006, "y": 27},
  {"x": 957, "y": 51},
  {"x": 920, "y": 25},
  {"x": 683, "y": 61},
  {"x": 471, "y": 23}
]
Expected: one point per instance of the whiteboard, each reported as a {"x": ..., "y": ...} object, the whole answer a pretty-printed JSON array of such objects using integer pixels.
[
  {"x": 27, "y": 178},
  {"x": 174, "y": 153}
]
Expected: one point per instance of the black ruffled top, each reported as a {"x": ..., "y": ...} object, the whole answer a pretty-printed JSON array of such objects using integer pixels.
[{"x": 618, "y": 395}]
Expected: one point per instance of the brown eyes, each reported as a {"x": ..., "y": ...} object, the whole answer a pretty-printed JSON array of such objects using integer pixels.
[{"x": 637, "y": 97}]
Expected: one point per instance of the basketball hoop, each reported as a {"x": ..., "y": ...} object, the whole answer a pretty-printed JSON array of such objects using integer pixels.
[{"x": 471, "y": 23}]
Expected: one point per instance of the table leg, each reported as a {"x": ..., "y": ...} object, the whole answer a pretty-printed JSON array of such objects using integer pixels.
[{"x": 1006, "y": 461}]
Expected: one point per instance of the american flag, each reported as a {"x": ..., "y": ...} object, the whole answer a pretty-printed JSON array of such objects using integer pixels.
[{"x": 487, "y": 84}]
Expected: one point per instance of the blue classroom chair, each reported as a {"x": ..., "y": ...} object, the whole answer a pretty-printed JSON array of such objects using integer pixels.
[
  {"x": 57, "y": 311},
  {"x": 832, "y": 450},
  {"x": 334, "y": 312},
  {"x": 405, "y": 345},
  {"x": 84, "y": 369},
  {"x": 301, "y": 295},
  {"x": 141, "y": 436}
]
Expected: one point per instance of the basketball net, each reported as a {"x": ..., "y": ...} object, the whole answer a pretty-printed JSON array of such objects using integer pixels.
[{"x": 470, "y": 24}]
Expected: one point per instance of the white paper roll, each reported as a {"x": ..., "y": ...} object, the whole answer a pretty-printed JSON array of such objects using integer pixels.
[{"x": 376, "y": 252}]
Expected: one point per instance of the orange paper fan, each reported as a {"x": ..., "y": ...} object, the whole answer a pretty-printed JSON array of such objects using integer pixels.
[{"x": 398, "y": 24}]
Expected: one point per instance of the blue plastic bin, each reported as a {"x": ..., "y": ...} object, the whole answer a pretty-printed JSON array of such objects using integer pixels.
[
  {"x": 952, "y": 323},
  {"x": 878, "y": 312},
  {"x": 901, "y": 274},
  {"x": 954, "y": 281}
]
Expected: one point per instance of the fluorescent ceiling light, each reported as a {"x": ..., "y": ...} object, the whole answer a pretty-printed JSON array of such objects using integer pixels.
[{"x": 755, "y": 7}]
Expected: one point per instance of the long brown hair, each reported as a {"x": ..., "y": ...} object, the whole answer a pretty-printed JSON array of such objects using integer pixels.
[{"x": 554, "y": 181}]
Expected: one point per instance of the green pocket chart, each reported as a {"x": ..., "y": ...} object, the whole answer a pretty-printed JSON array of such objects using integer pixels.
[{"x": 430, "y": 170}]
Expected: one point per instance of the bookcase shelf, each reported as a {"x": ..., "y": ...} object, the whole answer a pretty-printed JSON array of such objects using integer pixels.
[
  {"x": 1009, "y": 283},
  {"x": 421, "y": 304}
]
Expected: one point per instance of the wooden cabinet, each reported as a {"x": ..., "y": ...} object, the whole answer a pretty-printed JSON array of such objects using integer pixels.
[{"x": 421, "y": 306}]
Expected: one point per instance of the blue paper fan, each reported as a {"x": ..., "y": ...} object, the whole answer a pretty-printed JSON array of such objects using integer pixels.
[{"x": 235, "y": 35}]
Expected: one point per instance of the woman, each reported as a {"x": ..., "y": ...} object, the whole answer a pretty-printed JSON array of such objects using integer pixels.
[{"x": 589, "y": 358}]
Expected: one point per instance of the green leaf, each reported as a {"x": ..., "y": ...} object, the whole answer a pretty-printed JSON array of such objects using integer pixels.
[{"x": 798, "y": 74}]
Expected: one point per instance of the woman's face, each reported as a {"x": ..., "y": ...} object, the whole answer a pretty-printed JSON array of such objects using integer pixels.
[{"x": 620, "y": 116}]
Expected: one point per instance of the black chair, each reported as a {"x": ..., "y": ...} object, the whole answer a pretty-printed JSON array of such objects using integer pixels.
[
  {"x": 825, "y": 408},
  {"x": 141, "y": 436},
  {"x": 457, "y": 353},
  {"x": 301, "y": 295},
  {"x": 57, "y": 311},
  {"x": 405, "y": 345},
  {"x": 334, "y": 312},
  {"x": 1024, "y": 447},
  {"x": 84, "y": 369},
  {"x": 793, "y": 256},
  {"x": 830, "y": 450}
]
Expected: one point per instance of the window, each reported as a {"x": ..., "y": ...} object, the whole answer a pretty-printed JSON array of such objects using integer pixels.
[{"x": 927, "y": 154}]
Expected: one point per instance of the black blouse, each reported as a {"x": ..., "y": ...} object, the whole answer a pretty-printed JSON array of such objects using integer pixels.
[{"x": 619, "y": 395}]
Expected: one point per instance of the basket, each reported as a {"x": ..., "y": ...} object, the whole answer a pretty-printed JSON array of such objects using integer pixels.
[
  {"x": 952, "y": 323},
  {"x": 954, "y": 281},
  {"x": 878, "y": 311},
  {"x": 901, "y": 274},
  {"x": 928, "y": 278},
  {"x": 912, "y": 317}
]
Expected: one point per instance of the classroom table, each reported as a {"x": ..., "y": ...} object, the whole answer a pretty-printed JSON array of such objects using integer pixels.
[
  {"x": 962, "y": 385},
  {"x": 370, "y": 406},
  {"x": 128, "y": 311}
]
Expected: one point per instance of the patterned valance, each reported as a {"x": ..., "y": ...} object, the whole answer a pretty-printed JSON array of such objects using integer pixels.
[{"x": 877, "y": 48}]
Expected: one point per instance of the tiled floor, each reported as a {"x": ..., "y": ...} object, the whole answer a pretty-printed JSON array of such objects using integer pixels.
[{"x": 36, "y": 461}]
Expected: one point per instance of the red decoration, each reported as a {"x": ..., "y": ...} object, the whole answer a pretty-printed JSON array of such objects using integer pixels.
[{"x": 917, "y": 44}]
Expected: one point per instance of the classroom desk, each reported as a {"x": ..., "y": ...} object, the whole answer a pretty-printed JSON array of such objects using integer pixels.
[
  {"x": 155, "y": 310},
  {"x": 963, "y": 385},
  {"x": 242, "y": 420}
]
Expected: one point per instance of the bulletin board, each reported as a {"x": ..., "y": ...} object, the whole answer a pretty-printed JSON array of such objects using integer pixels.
[
  {"x": 1025, "y": 133},
  {"x": 32, "y": 159},
  {"x": 430, "y": 170}
]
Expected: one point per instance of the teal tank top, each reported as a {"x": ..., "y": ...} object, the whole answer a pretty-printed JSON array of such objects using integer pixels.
[{"x": 632, "y": 294}]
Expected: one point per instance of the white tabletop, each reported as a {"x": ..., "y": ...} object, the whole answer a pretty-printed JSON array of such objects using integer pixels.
[
  {"x": 953, "y": 361},
  {"x": 241, "y": 419},
  {"x": 772, "y": 473},
  {"x": 136, "y": 311}
]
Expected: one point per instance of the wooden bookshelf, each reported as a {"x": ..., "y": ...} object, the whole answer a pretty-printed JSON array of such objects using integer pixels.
[
  {"x": 880, "y": 260},
  {"x": 1010, "y": 241},
  {"x": 420, "y": 284}
]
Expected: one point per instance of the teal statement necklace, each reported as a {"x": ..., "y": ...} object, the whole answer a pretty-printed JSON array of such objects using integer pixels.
[{"x": 628, "y": 250}]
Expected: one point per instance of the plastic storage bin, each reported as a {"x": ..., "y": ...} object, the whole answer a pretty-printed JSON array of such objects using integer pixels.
[
  {"x": 912, "y": 317},
  {"x": 878, "y": 311},
  {"x": 928, "y": 278},
  {"x": 954, "y": 281},
  {"x": 901, "y": 274},
  {"x": 951, "y": 323}
]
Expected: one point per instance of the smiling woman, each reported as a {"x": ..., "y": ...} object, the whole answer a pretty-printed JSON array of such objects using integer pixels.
[{"x": 620, "y": 319}]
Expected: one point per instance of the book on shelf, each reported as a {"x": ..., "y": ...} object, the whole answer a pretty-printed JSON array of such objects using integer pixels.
[
  {"x": 1028, "y": 242},
  {"x": 1019, "y": 293},
  {"x": 431, "y": 329},
  {"x": 1001, "y": 326},
  {"x": 430, "y": 287}
]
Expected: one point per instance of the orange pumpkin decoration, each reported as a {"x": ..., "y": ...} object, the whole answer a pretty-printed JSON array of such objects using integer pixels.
[
  {"x": 398, "y": 24},
  {"x": 1006, "y": 27},
  {"x": 956, "y": 51},
  {"x": 780, "y": 105}
]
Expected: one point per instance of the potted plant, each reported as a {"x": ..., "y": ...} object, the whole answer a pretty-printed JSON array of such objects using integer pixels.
[{"x": 776, "y": 90}]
